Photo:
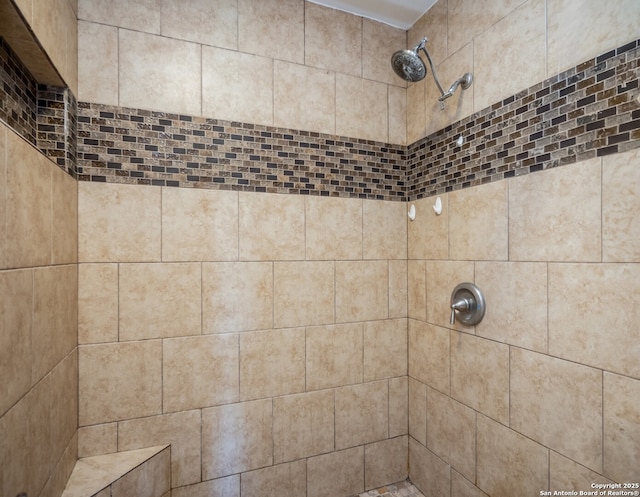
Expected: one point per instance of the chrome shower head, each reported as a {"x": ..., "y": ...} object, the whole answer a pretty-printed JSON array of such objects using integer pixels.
[{"x": 408, "y": 65}]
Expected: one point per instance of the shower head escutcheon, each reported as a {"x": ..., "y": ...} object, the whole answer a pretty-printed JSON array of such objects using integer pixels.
[{"x": 409, "y": 66}]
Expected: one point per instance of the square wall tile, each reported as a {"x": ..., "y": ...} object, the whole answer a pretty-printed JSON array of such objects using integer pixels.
[
  {"x": 159, "y": 300},
  {"x": 427, "y": 471},
  {"x": 334, "y": 355},
  {"x": 283, "y": 480},
  {"x": 398, "y": 406},
  {"x": 337, "y": 473},
  {"x": 418, "y": 411},
  {"x": 97, "y": 303},
  {"x": 428, "y": 233},
  {"x": 620, "y": 202},
  {"x": 442, "y": 278},
  {"x": 199, "y": 225},
  {"x": 97, "y": 76},
  {"x": 64, "y": 218},
  {"x": 362, "y": 290},
  {"x": 201, "y": 21},
  {"x": 236, "y": 438},
  {"x": 199, "y": 372},
  {"x": 143, "y": 83},
  {"x": 398, "y": 289},
  {"x": 3, "y": 194},
  {"x": 118, "y": 223},
  {"x": 151, "y": 479},
  {"x": 357, "y": 100},
  {"x": 559, "y": 404},
  {"x": 314, "y": 305},
  {"x": 586, "y": 324},
  {"x": 96, "y": 440},
  {"x": 140, "y": 16},
  {"x": 181, "y": 430},
  {"x": 621, "y": 428},
  {"x": 461, "y": 487},
  {"x": 378, "y": 37},
  {"x": 333, "y": 228},
  {"x": 237, "y": 296},
  {"x": 386, "y": 462},
  {"x": 417, "y": 290},
  {"x": 480, "y": 375},
  {"x": 429, "y": 354},
  {"x": 566, "y": 474},
  {"x": 272, "y": 363},
  {"x": 303, "y": 425},
  {"x": 544, "y": 223},
  {"x": 271, "y": 227},
  {"x": 132, "y": 374},
  {"x": 222, "y": 487},
  {"x": 362, "y": 414},
  {"x": 385, "y": 349},
  {"x": 385, "y": 230},
  {"x": 397, "y": 115}
]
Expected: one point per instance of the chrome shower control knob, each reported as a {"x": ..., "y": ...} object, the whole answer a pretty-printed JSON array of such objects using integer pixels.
[{"x": 467, "y": 304}]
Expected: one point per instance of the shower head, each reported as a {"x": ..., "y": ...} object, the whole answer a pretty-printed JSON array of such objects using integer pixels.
[{"x": 408, "y": 65}]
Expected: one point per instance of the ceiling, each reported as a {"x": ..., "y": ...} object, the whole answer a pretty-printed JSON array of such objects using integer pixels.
[{"x": 398, "y": 13}]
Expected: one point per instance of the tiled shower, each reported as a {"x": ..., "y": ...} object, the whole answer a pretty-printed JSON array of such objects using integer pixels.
[{"x": 246, "y": 285}]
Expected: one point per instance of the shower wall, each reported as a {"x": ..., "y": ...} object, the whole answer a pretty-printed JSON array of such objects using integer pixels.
[
  {"x": 542, "y": 394},
  {"x": 38, "y": 277},
  {"x": 260, "y": 332}
]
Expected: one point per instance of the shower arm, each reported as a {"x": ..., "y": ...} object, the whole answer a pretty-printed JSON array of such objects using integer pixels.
[{"x": 422, "y": 45}]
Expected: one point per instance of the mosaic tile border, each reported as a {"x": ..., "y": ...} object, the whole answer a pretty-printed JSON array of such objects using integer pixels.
[
  {"x": 587, "y": 111},
  {"x": 156, "y": 148}
]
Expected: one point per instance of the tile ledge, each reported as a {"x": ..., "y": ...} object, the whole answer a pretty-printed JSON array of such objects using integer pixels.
[{"x": 93, "y": 474}]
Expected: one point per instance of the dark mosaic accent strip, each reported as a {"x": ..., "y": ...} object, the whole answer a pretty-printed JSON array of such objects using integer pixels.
[
  {"x": 18, "y": 106},
  {"x": 588, "y": 111},
  {"x": 156, "y": 148},
  {"x": 57, "y": 126}
]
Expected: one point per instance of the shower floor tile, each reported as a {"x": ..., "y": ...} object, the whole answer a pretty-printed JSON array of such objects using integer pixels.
[{"x": 400, "y": 489}]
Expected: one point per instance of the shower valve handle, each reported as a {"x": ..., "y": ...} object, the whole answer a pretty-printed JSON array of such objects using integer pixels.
[{"x": 461, "y": 305}]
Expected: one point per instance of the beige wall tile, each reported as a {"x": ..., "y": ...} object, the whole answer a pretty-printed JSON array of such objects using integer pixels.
[
  {"x": 416, "y": 111},
  {"x": 429, "y": 355},
  {"x": 398, "y": 406},
  {"x": 64, "y": 467},
  {"x": 586, "y": 321},
  {"x": 334, "y": 355},
  {"x": 251, "y": 75},
  {"x": 271, "y": 227},
  {"x": 433, "y": 25},
  {"x": 201, "y": 21},
  {"x": 397, "y": 289},
  {"x": 199, "y": 372},
  {"x": 333, "y": 228},
  {"x": 159, "y": 300},
  {"x": 480, "y": 375},
  {"x": 621, "y": 428},
  {"x": 379, "y": 38},
  {"x": 107, "y": 231},
  {"x": 418, "y": 411},
  {"x": 580, "y": 32},
  {"x": 517, "y": 297},
  {"x": 63, "y": 413},
  {"x": 51, "y": 22},
  {"x": 181, "y": 430},
  {"x": 386, "y": 462},
  {"x": 151, "y": 479},
  {"x": 97, "y": 76},
  {"x": 442, "y": 278},
  {"x": 222, "y": 487},
  {"x": 361, "y": 108},
  {"x": 544, "y": 223},
  {"x": 131, "y": 373},
  {"x": 500, "y": 448},
  {"x": 141, "y": 16},
  {"x": 417, "y": 290},
  {"x": 96, "y": 440},
  {"x": 283, "y": 480},
  {"x": 97, "y": 303},
  {"x": 559, "y": 404},
  {"x": 460, "y": 487},
  {"x": 273, "y": 28},
  {"x": 427, "y": 471},
  {"x": 236, "y": 437},
  {"x": 385, "y": 230},
  {"x": 64, "y": 218},
  {"x": 26, "y": 9},
  {"x": 15, "y": 339},
  {"x": 620, "y": 200},
  {"x": 333, "y": 39},
  {"x": 314, "y": 305},
  {"x": 566, "y": 474},
  {"x": 337, "y": 473},
  {"x": 428, "y": 234},
  {"x": 451, "y": 432},
  {"x": 284, "y": 370},
  {"x": 143, "y": 83},
  {"x": 304, "y": 97},
  {"x": 385, "y": 349},
  {"x": 397, "y": 115},
  {"x": 361, "y": 290},
  {"x": 28, "y": 205},
  {"x": 303, "y": 425},
  {"x": 510, "y": 55},
  {"x": 54, "y": 331},
  {"x": 3, "y": 194},
  {"x": 362, "y": 414},
  {"x": 199, "y": 225},
  {"x": 237, "y": 296},
  {"x": 478, "y": 223}
]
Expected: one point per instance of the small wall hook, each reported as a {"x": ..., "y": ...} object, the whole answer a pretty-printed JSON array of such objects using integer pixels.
[
  {"x": 412, "y": 212},
  {"x": 437, "y": 206}
]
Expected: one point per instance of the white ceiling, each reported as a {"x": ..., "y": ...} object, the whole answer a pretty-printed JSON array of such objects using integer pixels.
[{"x": 398, "y": 13}]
